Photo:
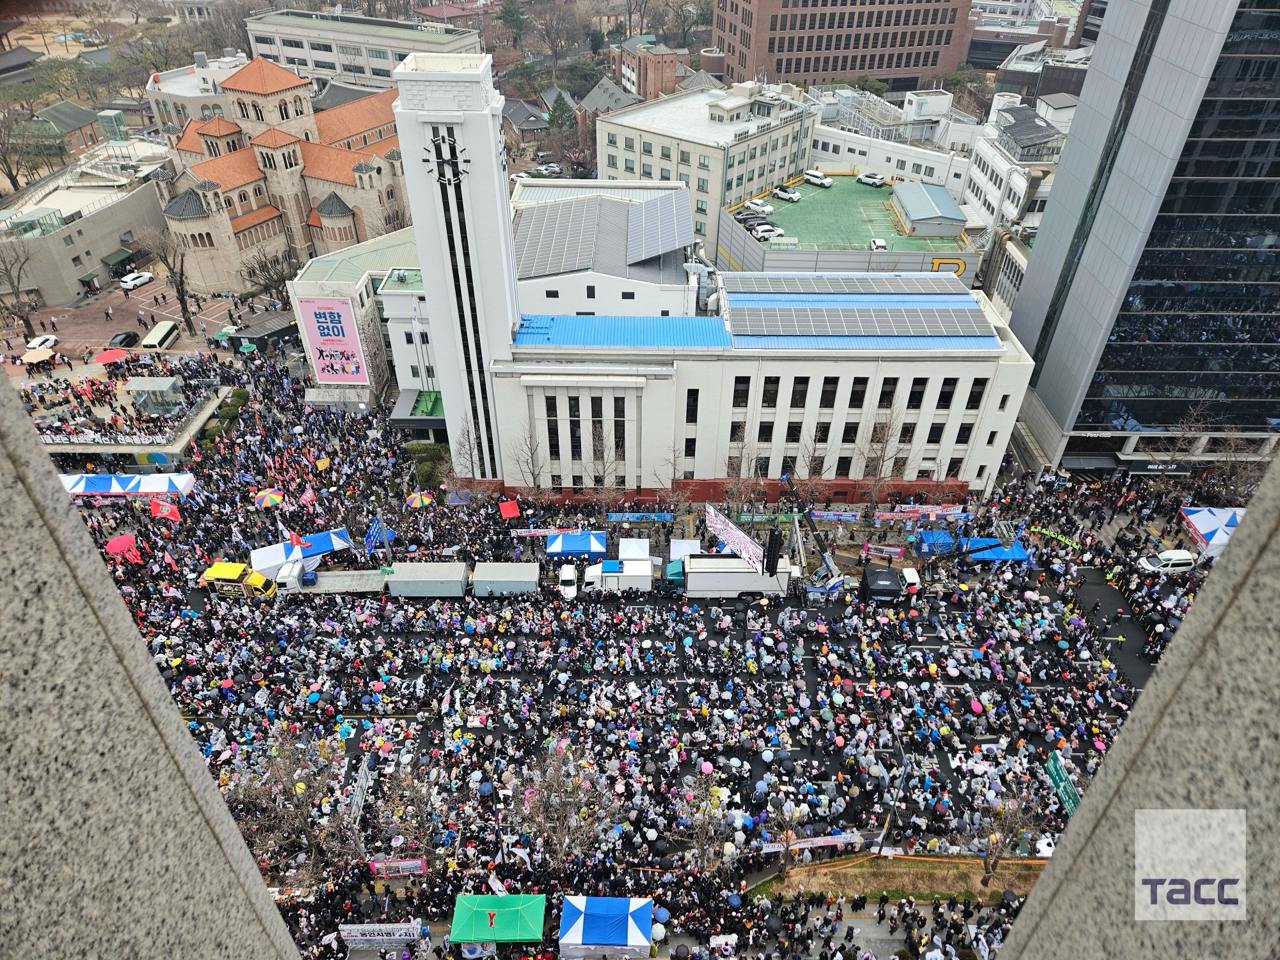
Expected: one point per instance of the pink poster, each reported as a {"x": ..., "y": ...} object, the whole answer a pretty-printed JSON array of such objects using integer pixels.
[{"x": 329, "y": 328}]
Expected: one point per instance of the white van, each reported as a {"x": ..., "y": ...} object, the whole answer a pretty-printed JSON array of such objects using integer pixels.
[
  {"x": 1169, "y": 561},
  {"x": 568, "y": 583},
  {"x": 817, "y": 178}
]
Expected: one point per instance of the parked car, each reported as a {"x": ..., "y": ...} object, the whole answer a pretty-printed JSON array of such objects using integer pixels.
[
  {"x": 743, "y": 215},
  {"x": 554, "y": 168},
  {"x": 817, "y": 178},
  {"x": 125, "y": 339},
  {"x": 759, "y": 206},
  {"x": 790, "y": 194},
  {"x": 46, "y": 340},
  {"x": 568, "y": 584},
  {"x": 522, "y": 175},
  {"x": 542, "y": 156},
  {"x": 1169, "y": 561},
  {"x": 131, "y": 281},
  {"x": 767, "y": 231},
  {"x": 757, "y": 222},
  {"x": 872, "y": 179},
  {"x": 545, "y": 170},
  {"x": 875, "y": 243}
]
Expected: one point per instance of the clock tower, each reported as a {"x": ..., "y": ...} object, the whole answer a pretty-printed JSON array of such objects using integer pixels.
[{"x": 449, "y": 118}]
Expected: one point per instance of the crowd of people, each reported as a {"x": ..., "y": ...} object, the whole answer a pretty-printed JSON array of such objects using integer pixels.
[{"x": 683, "y": 735}]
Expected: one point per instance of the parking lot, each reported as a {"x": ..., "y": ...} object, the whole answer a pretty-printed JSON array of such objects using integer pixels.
[{"x": 848, "y": 215}]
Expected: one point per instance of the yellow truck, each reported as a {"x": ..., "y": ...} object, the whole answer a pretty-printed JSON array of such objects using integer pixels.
[{"x": 237, "y": 580}]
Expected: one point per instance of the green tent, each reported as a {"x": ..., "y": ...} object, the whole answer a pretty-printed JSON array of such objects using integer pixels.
[{"x": 481, "y": 918}]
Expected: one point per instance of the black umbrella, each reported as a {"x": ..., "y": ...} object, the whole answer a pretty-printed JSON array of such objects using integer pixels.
[{"x": 682, "y": 952}]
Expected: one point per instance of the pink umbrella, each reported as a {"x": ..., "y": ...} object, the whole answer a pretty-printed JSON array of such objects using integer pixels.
[
  {"x": 885, "y": 694},
  {"x": 227, "y": 683},
  {"x": 377, "y": 686},
  {"x": 975, "y": 706}
]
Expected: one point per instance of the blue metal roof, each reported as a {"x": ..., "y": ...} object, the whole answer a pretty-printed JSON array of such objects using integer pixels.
[
  {"x": 570, "y": 330},
  {"x": 926, "y": 201},
  {"x": 957, "y": 301},
  {"x": 798, "y": 342}
]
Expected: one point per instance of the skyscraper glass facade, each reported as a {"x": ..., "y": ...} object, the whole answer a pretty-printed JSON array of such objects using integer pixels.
[{"x": 1197, "y": 339}]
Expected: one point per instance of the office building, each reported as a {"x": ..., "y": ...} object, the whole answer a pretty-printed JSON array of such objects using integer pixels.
[
  {"x": 1150, "y": 300},
  {"x": 725, "y": 145},
  {"x": 902, "y": 43},
  {"x": 354, "y": 49}
]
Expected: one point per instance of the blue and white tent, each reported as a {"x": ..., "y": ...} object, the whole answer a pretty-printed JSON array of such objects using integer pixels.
[
  {"x": 315, "y": 546},
  {"x": 606, "y": 927},
  {"x": 127, "y": 484},
  {"x": 590, "y": 543},
  {"x": 1212, "y": 527}
]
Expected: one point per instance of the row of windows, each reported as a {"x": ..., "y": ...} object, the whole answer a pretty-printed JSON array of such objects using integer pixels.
[
  {"x": 890, "y": 467},
  {"x": 606, "y": 463},
  {"x": 811, "y": 42},
  {"x": 903, "y": 60},
  {"x": 827, "y": 396},
  {"x": 882, "y": 18},
  {"x": 849, "y": 432},
  {"x": 248, "y": 239}
]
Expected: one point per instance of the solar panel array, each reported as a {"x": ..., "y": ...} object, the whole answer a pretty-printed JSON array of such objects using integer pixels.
[
  {"x": 658, "y": 226},
  {"x": 830, "y": 283},
  {"x": 859, "y": 322},
  {"x": 556, "y": 238}
]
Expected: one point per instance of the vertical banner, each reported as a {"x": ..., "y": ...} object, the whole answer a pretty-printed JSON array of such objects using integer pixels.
[
  {"x": 333, "y": 343},
  {"x": 734, "y": 538}
]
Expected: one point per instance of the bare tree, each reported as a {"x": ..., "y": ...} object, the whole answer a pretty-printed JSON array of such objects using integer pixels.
[
  {"x": 161, "y": 48},
  {"x": 566, "y": 802},
  {"x": 741, "y": 484},
  {"x": 879, "y": 448},
  {"x": 408, "y": 810},
  {"x": 294, "y": 832},
  {"x": 1011, "y": 823},
  {"x": 166, "y": 248},
  {"x": 558, "y": 24},
  {"x": 468, "y": 456},
  {"x": 636, "y": 13},
  {"x": 681, "y": 17},
  {"x": 700, "y": 821},
  {"x": 269, "y": 273},
  {"x": 15, "y": 256},
  {"x": 529, "y": 459}
]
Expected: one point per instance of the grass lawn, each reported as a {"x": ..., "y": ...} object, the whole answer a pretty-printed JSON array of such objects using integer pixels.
[{"x": 921, "y": 877}]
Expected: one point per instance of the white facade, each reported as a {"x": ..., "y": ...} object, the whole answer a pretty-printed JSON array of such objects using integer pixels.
[
  {"x": 725, "y": 145},
  {"x": 450, "y": 114},
  {"x": 353, "y": 49},
  {"x": 589, "y": 292},
  {"x": 843, "y": 151}
]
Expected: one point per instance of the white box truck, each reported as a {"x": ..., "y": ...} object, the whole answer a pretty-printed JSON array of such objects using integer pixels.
[
  {"x": 499, "y": 579},
  {"x": 428, "y": 579},
  {"x": 614, "y": 576},
  {"x": 722, "y": 575}
]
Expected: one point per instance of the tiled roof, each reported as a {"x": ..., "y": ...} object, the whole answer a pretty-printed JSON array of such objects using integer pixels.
[
  {"x": 313, "y": 218},
  {"x": 218, "y": 127},
  {"x": 190, "y": 141},
  {"x": 186, "y": 206},
  {"x": 67, "y": 116},
  {"x": 357, "y": 117},
  {"x": 229, "y": 171},
  {"x": 262, "y": 77},
  {"x": 385, "y": 148},
  {"x": 333, "y": 164},
  {"x": 274, "y": 137},
  {"x": 253, "y": 218},
  {"x": 333, "y": 206}
]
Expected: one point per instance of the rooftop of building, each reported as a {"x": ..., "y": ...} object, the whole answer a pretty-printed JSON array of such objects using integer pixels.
[
  {"x": 366, "y": 28},
  {"x": 847, "y": 216},
  {"x": 638, "y": 333},
  {"x": 1060, "y": 101},
  {"x": 390, "y": 253},
  {"x": 926, "y": 201},
  {"x": 402, "y": 281},
  {"x": 193, "y": 80},
  {"x": 65, "y": 116},
  {"x": 1026, "y": 128},
  {"x": 95, "y": 179},
  {"x": 539, "y": 190},
  {"x": 262, "y": 78},
  {"x": 356, "y": 116},
  {"x": 688, "y": 115},
  {"x": 605, "y": 96},
  {"x": 1033, "y": 56}
]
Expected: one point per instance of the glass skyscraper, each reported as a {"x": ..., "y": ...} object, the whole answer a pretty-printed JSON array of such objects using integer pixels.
[{"x": 1152, "y": 301}]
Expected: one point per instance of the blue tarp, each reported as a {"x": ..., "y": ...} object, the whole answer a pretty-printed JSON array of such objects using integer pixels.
[
  {"x": 606, "y": 926},
  {"x": 590, "y": 543},
  {"x": 1016, "y": 552}
]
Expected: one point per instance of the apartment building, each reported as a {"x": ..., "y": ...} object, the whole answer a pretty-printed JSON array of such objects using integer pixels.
[{"x": 902, "y": 42}]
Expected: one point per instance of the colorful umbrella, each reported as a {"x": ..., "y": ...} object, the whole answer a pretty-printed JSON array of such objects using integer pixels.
[
  {"x": 248, "y": 347},
  {"x": 222, "y": 335},
  {"x": 121, "y": 544},
  {"x": 416, "y": 500},
  {"x": 114, "y": 355},
  {"x": 269, "y": 497}
]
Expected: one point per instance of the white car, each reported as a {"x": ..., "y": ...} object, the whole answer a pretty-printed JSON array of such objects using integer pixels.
[
  {"x": 790, "y": 194},
  {"x": 759, "y": 206},
  {"x": 45, "y": 341},
  {"x": 522, "y": 175},
  {"x": 872, "y": 179},
  {"x": 546, "y": 171},
  {"x": 568, "y": 584},
  {"x": 875, "y": 243},
  {"x": 767, "y": 231},
  {"x": 1169, "y": 561},
  {"x": 817, "y": 178},
  {"x": 131, "y": 281}
]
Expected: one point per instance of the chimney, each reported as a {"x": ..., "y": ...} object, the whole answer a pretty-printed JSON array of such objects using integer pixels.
[{"x": 202, "y": 59}]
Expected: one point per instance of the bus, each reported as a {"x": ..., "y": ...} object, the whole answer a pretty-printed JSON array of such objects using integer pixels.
[{"x": 162, "y": 336}]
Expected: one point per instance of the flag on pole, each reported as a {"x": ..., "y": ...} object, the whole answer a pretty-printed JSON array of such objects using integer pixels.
[
  {"x": 165, "y": 510},
  {"x": 308, "y": 496},
  {"x": 294, "y": 539},
  {"x": 168, "y": 558},
  {"x": 373, "y": 535}
]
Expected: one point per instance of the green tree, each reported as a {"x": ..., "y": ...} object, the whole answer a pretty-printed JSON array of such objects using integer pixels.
[
  {"x": 579, "y": 76},
  {"x": 512, "y": 17},
  {"x": 870, "y": 84},
  {"x": 596, "y": 39},
  {"x": 561, "y": 115}
]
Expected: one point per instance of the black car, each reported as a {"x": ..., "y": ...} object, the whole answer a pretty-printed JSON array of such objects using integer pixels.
[{"x": 126, "y": 339}]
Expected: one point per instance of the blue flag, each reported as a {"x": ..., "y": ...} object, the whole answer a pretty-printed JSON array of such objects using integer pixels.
[{"x": 373, "y": 535}]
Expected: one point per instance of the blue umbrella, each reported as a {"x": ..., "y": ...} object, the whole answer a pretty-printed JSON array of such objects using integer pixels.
[
  {"x": 735, "y": 900},
  {"x": 313, "y": 696},
  {"x": 662, "y": 914}
]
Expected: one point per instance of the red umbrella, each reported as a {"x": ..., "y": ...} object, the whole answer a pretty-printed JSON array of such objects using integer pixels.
[
  {"x": 114, "y": 355},
  {"x": 121, "y": 544}
]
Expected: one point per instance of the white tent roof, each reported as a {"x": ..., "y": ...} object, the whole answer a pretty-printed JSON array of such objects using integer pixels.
[
  {"x": 1212, "y": 527},
  {"x": 633, "y": 548}
]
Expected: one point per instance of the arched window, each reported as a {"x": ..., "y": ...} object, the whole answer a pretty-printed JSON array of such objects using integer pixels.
[
  {"x": 257, "y": 190},
  {"x": 361, "y": 179},
  {"x": 391, "y": 193},
  {"x": 244, "y": 196},
  {"x": 283, "y": 108},
  {"x": 205, "y": 112},
  {"x": 242, "y": 109},
  {"x": 208, "y": 240},
  {"x": 217, "y": 110},
  {"x": 227, "y": 201},
  {"x": 257, "y": 111},
  {"x": 297, "y": 107}
]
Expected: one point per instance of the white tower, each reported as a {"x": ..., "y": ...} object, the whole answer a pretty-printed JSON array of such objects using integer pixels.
[{"x": 449, "y": 117}]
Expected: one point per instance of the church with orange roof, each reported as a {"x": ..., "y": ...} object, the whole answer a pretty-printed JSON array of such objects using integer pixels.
[{"x": 263, "y": 176}]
